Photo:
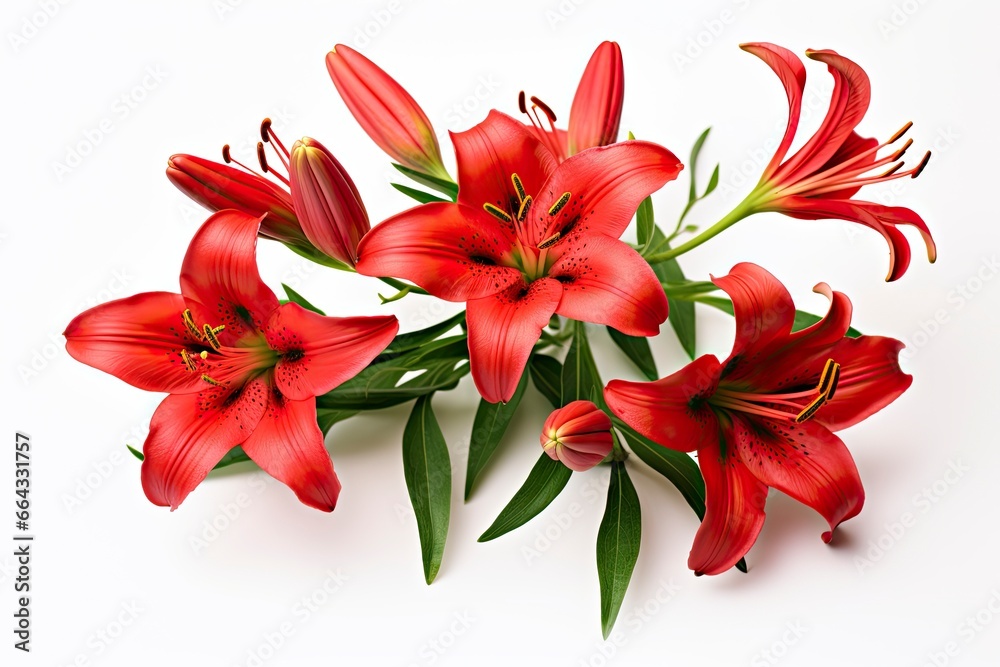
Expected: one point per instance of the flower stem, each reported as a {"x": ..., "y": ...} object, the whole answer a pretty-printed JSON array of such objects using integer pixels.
[
  {"x": 401, "y": 286},
  {"x": 742, "y": 210}
]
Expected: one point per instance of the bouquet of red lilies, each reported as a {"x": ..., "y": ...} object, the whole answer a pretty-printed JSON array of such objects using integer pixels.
[{"x": 528, "y": 236}]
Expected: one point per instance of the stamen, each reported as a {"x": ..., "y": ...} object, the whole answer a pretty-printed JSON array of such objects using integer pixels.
[
  {"x": 827, "y": 387},
  {"x": 265, "y": 127},
  {"x": 188, "y": 361},
  {"x": 522, "y": 212},
  {"x": 826, "y": 376},
  {"x": 214, "y": 383},
  {"x": 810, "y": 409},
  {"x": 228, "y": 159},
  {"x": 519, "y": 186},
  {"x": 898, "y": 154},
  {"x": 549, "y": 242},
  {"x": 212, "y": 338},
  {"x": 833, "y": 383},
  {"x": 545, "y": 108},
  {"x": 903, "y": 130},
  {"x": 190, "y": 325},
  {"x": 891, "y": 170},
  {"x": 497, "y": 213},
  {"x": 262, "y": 158},
  {"x": 923, "y": 163},
  {"x": 560, "y": 204},
  {"x": 520, "y": 103}
]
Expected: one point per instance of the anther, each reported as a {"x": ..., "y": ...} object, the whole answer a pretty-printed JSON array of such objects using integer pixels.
[
  {"x": 923, "y": 163},
  {"x": 549, "y": 242},
  {"x": 830, "y": 374},
  {"x": 522, "y": 212},
  {"x": 519, "y": 186},
  {"x": 898, "y": 154},
  {"x": 497, "y": 213},
  {"x": 188, "y": 361},
  {"x": 901, "y": 132},
  {"x": 520, "y": 102},
  {"x": 225, "y": 154},
  {"x": 560, "y": 204},
  {"x": 212, "y": 338},
  {"x": 190, "y": 325},
  {"x": 810, "y": 409},
  {"x": 891, "y": 170},
  {"x": 265, "y": 127},
  {"x": 261, "y": 157},
  {"x": 214, "y": 383},
  {"x": 544, "y": 107}
]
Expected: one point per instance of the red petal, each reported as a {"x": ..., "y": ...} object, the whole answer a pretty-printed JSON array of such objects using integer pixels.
[
  {"x": 606, "y": 185},
  {"x": 764, "y": 314},
  {"x": 734, "y": 510},
  {"x": 489, "y": 153},
  {"x": 319, "y": 353},
  {"x": 607, "y": 282},
  {"x": 502, "y": 330},
  {"x": 220, "y": 273},
  {"x": 848, "y": 104},
  {"x": 597, "y": 107},
  {"x": 792, "y": 73},
  {"x": 138, "y": 339},
  {"x": 672, "y": 411},
  {"x": 579, "y": 461},
  {"x": 450, "y": 250},
  {"x": 190, "y": 433},
  {"x": 815, "y": 209},
  {"x": 805, "y": 461},
  {"x": 853, "y": 146},
  {"x": 870, "y": 379},
  {"x": 386, "y": 112},
  {"x": 288, "y": 445}
]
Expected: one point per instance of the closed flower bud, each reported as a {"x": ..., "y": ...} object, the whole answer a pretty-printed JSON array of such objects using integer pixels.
[
  {"x": 385, "y": 111},
  {"x": 578, "y": 434},
  {"x": 597, "y": 107},
  {"x": 328, "y": 205}
]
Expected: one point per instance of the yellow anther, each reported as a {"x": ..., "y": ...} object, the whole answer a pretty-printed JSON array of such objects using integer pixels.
[
  {"x": 522, "y": 212},
  {"x": 190, "y": 325},
  {"x": 826, "y": 388},
  {"x": 497, "y": 213},
  {"x": 559, "y": 205},
  {"x": 810, "y": 409},
  {"x": 549, "y": 241},
  {"x": 188, "y": 361},
  {"x": 210, "y": 336},
  {"x": 214, "y": 383},
  {"x": 519, "y": 186}
]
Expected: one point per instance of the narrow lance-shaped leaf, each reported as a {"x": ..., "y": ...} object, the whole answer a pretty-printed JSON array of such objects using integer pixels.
[
  {"x": 580, "y": 378},
  {"x": 488, "y": 429},
  {"x": 448, "y": 188},
  {"x": 546, "y": 374},
  {"x": 295, "y": 297},
  {"x": 617, "y": 544},
  {"x": 681, "y": 317},
  {"x": 545, "y": 481},
  {"x": 418, "y": 195},
  {"x": 427, "y": 469},
  {"x": 636, "y": 348}
]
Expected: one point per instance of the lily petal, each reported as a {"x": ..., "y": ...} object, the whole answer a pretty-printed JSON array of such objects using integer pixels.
[
  {"x": 137, "y": 339},
  {"x": 503, "y": 328},
  {"x": 190, "y": 433},
  {"x": 288, "y": 445},
  {"x": 805, "y": 461},
  {"x": 452, "y": 251},
  {"x": 596, "y": 113},
  {"x": 607, "y": 282},
  {"x": 220, "y": 273},
  {"x": 606, "y": 186},
  {"x": 734, "y": 511},
  {"x": 489, "y": 154},
  {"x": 792, "y": 73},
  {"x": 852, "y": 147},
  {"x": 671, "y": 411},
  {"x": 319, "y": 353}
]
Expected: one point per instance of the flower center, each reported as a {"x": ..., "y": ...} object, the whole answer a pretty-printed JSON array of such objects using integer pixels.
[
  {"x": 789, "y": 406},
  {"x": 218, "y": 364},
  {"x": 533, "y": 259}
]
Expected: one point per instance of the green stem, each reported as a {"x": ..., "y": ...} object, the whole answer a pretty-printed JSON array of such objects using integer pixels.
[
  {"x": 401, "y": 286},
  {"x": 742, "y": 210}
]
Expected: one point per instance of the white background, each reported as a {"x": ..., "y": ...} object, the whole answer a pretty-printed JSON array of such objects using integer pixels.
[{"x": 112, "y": 226}]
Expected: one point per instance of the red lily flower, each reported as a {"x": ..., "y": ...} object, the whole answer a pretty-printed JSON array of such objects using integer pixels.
[
  {"x": 240, "y": 368},
  {"x": 322, "y": 217},
  {"x": 385, "y": 111},
  {"x": 578, "y": 434},
  {"x": 527, "y": 239},
  {"x": 765, "y": 417},
  {"x": 596, "y": 113},
  {"x": 821, "y": 178}
]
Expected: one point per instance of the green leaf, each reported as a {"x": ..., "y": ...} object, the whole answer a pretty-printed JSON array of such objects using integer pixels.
[
  {"x": 427, "y": 469},
  {"x": 580, "y": 379},
  {"x": 681, "y": 317},
  {"x": 546, "y": 374},
  {"x": 801, "y": 321},
  {"x": 295, "y": 297},
  {"x": 413, "y": 340},
  {"x": 679, "y": 469},
  {"x": 545, "y": 481},
  {"x": 234, "y": 455},
  {"x": 447, "y": 187},
  {"x": 136, "y": 453},
  {"x": 488, "y": 428},
  {"x": 693, "y": 162},
  {"x": 637, "y": 349},
  {"x": 419, "y": 195},
  {"x": 327, "y": 418},
  {"x": 713, "y": 182},
  {"x": 617, "y": 544},
  {"x": 645, "y": 223}
]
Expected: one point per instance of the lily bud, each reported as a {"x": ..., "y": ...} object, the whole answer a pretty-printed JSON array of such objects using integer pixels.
[
  {"x": 328, "y": 205},
  {"x": 597, "y": 107},
  {"x": 218, "y": 186},
  {"x": 578, "y": 434},
  {"x": 385, "y": 111}
]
